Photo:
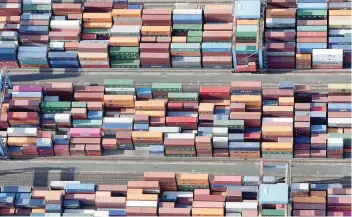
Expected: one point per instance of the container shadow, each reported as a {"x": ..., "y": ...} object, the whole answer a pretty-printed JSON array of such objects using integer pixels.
[{"x": 44, "y": 74}]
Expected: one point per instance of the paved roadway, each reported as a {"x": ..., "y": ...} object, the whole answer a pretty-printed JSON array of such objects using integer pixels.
[
  {"x": 191, "y": 77},
  {"x": 39, "y": 172}
]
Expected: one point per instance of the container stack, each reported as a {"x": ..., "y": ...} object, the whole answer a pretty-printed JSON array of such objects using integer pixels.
[
  {"x": 186, "y": 55},
  {"x": 339, "y": 26},
  {"x": 311, "y": 28},
  {"x": 222, "y": 183},
  {"x": 45, "y": 144},
  {"x": 180, "y": 145},
  {"x": 97, "y": 21},
  {"x": 339, "y": 201},
  {"x": 274, "y": 199},
  {"x": 33, "y": 56},
  {"x": 205, "y": 203},
  {"x": 327, "y": 59},
  {"x": 93, "y": 54},
  {"x": 217, "y": 38},
  {"x": 35, "y": 20},
  {"x": 308, "y": 201},
  {"x": 339, "y": 121},
  {"x": 246, "y": 107},
  {"x": 156, "y": 38},
  {"x": 277, "y": 126},
  {"x": 8, "y": 49},
  {"x": 167, "y": 180},
  {"x": 185, "y": 21},
  {"x": 302, "y": 121},
  {"x": 243, "y": 208},
  {"x": 142, "y": 198},
  {"x": 190, "y": 182},
  {"x": 280, "y": 36},
  {"x": 22, "y": 141}
]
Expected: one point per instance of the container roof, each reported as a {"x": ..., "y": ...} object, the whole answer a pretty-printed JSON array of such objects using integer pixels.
[
  {"x": 273, "y": 193},
  {"x": 247, "y": 9}
]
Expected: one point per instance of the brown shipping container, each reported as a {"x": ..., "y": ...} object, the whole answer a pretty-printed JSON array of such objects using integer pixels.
[
  {"x": 311, "y": 40},
  {"x": 155, "y": 47}
]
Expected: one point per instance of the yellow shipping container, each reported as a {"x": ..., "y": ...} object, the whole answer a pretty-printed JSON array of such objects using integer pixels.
[
  {"x": 207, "y": 212},
  {"x": 286, "y": 101},
  {"x": 277, "y": 146},
  {"x": 335, "y": 130},
  {"x": 186, "y": 54},
  {"x": 143, "y": 197},
  {"x": 340, "y": 12},
  {"x": 251, "y": 101},
  {"x": 150, "y": 105},
  {"x": 97, "y": 25},
  {"x": 337, "y": 88},
  {"x": 124, "y": 41},
  {"x": 140, "y": 135},
  {"x": 277, "y": 131},
  {"x": 192, "y": 179},
  {"x": 206, "y": 108},
  {"x": 152, "y": 114},
  {"x": 179, "y": 39},
  {"x": 303, "y": 57},
  {"x": 127, "y": 13},
  {"x": 247, "y": 22},
  {"x": 135, "y": 191},
  {"x": 156, "y": 30},
  {"x": 97, "y": 17}
]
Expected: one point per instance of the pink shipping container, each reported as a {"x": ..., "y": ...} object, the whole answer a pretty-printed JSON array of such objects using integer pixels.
[
  {"x": 169, "y": 211},
  {"x": 85, "y": 132},
  {"x": 309, "y": 212}
]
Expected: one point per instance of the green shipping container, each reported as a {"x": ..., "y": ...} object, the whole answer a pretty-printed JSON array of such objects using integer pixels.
[
  {"x": 347, "y": 138},
  {"x": 53, "y": 107},
  {"x": 187, "y": 27},
  {"x": 167, "y": 87},
  {"x": 195, "y": 34},
  {"x": 32, "y": 62},
  {"x": 182, "y": 97},
  {"x": 231, "y": 124},
  {"x": 246, "y": 34},
  {"x": 87, "y": 123},
  {"x": 125, "y": 63},
  {"x": 111, "y": 83},
  {"x": 120, "y": 91},
  {"x": 79, "y": 104},
  {"x": 194, "y": 39},
  {"x": 312, "y": 28},
  {"x": 37, "y": 8},
  {"x": 273, "y": 212},
  {"x": 124, "y": 50},
  {"x": 311, "y": 12},
  {"x": 105, "y": 32}
]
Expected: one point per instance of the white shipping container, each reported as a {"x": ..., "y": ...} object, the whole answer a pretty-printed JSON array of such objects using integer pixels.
[
  {"x": 180, "y": 136},
  {"x": 277, "y": 120},
  {"x": 277, "y": 21},
  {"x": 178, "y": 194},
  {"x": 335, "y": 140},
  {"x": 118, "y": 120},
  {"x": 44, "y": 142},
  {"x": 26, "y": 94},
  {"x": 300, "y": 187},
  {"x": 57, "y": 45},
  {"x": 339, "y": 5},
  {"x": 62, "y": 118},
  {"x": 8, "y": 44},
  {"x": 36, "y": 2},
  {"x": 324, "y": 53},
  {"x": 340, "y": 122},
  {"x": 220, "y": 131},
  {"x": 312, "y": 5},
  {"x": 126, "y": 29},
  {"x": 101, "y": 214},
  {"x": 165, "y": 129},
  {"x": 340, "y": 31},
  {"x": 140, "y": 203},
  {"x": 113, "y": 89},
  {"x": 51, "y": 98},
  {"x": 187, "y": 11},
  {"x": 98, "y": 63},
  {"x": 65, "y": 24},
  {"x": 96, "y": 41},
  {"x": 80, "y": 211},
  {"x": 25, "y": 132},
  {"x": 239, "y": 206},
  {"x": 60, "y": 185},
  {"x": 10, "y": 5}
]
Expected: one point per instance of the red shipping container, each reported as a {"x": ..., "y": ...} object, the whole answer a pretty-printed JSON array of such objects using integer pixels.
[
  {"x": 214, "y": 93},
  {"x": 183, "y": 122}
]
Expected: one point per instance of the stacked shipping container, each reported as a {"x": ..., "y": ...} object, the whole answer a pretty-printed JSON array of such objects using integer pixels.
[
  {"x": 339, "y": 28},
  {"x": 280, "y": 35},
  {"x": 311, "y": 29}
]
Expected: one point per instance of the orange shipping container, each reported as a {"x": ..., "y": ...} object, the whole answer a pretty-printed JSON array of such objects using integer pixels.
[
  {"x": 179, "y": 39},
  {"x": 206, "y": 108},
  {"x": 253, "y": 101},
  {"x": 277, "y": 146},
  {"x": 97, "y": 17},
  {"x": 97, "y": 25},
  {"x": 143, "y": 197},
  {"x": 150, "y": 105},
  {"x": 38, "y": 210},
  {"x": 121, "y": 101},
  {"x": 156, "y": 30},
  {"x": 207, "y": 212},
  {"x": 309, "y": 200},
  {"x": 150, "y": 136},
  {"x": 20, "y": 141},
  {"x": 217, "y": 102},
  {"x": 340, "y": 12},
  {"x": 124, "y": 41},
  {"x": 85, "y": 56},
  {"x": 153, "y": 114},
  {"x": 247, "y": 22},
  {"x": 127, "y": 13},
  {"x": 277, "y": 131},
  {"x": 286, "y": 101}
]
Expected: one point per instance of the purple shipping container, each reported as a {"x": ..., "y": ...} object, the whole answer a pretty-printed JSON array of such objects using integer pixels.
[
  {"x": 27, "y": 88},
  {"x": 304, "y": 206}
]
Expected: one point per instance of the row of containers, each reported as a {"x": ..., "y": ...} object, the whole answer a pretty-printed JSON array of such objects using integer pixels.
[
  {"x": 297, "y": 35},
  {"x": 170, "y": 194},
  {"x": 243, "y": 120},
  {"x": 114, "y": 35}
]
